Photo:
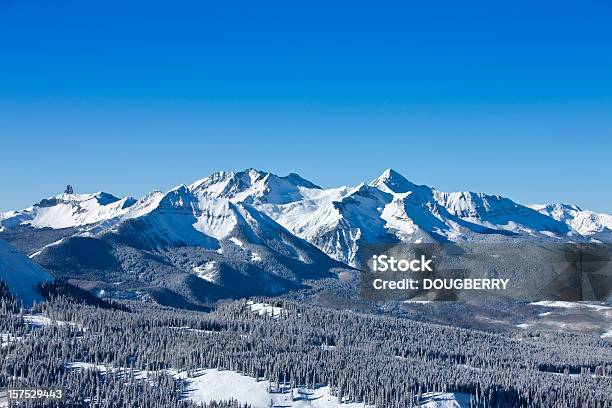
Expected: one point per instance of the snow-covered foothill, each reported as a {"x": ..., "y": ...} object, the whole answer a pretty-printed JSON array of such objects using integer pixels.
[{"x": 21, "y": 274}]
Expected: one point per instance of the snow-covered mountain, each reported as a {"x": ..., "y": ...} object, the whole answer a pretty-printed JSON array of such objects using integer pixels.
[
  {"x": 21, "y": 274},
  {"x": 255, "y": 186},
  {"x": 177, "y": 245},
  {"x": 255, "y": 232},
  {"x": 68, "y": 210},
  {"x": 389, "y": 209},
  {"x": 587, "y": 223}
]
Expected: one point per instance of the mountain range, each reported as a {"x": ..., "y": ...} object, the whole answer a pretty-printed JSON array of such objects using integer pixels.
[{"x": 251, "y": 232}]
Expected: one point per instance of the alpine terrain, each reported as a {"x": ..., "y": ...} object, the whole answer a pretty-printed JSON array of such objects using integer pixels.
[
  {"x": 240, "y": 290},
  {"x": 236, "y": 234}
]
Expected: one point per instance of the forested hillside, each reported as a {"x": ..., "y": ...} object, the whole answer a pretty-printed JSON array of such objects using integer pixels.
[{"x": 379, "y": 360}]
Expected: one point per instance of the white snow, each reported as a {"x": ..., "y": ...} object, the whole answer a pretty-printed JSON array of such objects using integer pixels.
[
  {"x": 237, "y": 242},
  {"x": 223, "y": 385},
  {"x": 264, "y": 308},
  {"x": 445, "y": 400},
  {"x": 33, "y": 255},
  {"x": 396, "y": 217},
  {"x": 335, "y": 220},
  {"x": 80, "y": 365},
  {"x": 206, "y": 385},
  {"x": 255, "y": 186},
  {"x": 189, "y": 329},
  {"x": 607, "y": 334},
  {"x": 206, "y": 271},
  {"x": 571, "y": 305},
  {"x": 36, "y": 320},
  {"x": 587, "y": 223},
  {"x": 7, "y": 338},
  {"x": 217, "y": 218},
  {"x": 21, "y": 274},
  {"x": 69, "y": 210}
]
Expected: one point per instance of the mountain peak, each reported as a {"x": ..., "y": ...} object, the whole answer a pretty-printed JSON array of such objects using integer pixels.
[
  {"x": 298, "y": 180},
  {"x": 555, "y": 208},
  {"x": 564, "y": 206},
  {"x": 252, "y": 184},
  {"x": 391, "y": 181},
  {"x": 390, "y": 173}
]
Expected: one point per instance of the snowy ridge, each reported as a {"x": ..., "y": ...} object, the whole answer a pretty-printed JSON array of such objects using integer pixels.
[
  {"x": 587, "y": 223},
  {"x": 69, "y": 210},
  {"x": 389, "y": 209},
  {"x": 393, "y": 209},
  {"x": 251, "y": 204},
  {"x": 196, "y": 248},
  {"x": 255, "y": 186}
]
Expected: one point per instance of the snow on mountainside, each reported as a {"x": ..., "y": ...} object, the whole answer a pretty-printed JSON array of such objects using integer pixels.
[
  {"x": 337, "y": 220},
  {"x": 389, "y": 209},
  {"x": 68, "y": 210},
  {"x": 162, "y": 243},
  {"x": 255, "y": 186},
  {"x": 587, "y": 223},
  {"x": 21, "y": 274},
  {"x": 183, "y": 218}
]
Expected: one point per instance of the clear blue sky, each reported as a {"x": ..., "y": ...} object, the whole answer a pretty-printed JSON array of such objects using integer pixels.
[{"x": 512, "y": 98}]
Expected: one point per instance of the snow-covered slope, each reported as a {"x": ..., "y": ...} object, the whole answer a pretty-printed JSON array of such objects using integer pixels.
[
  {"x": 214, "y": 385},
  {"x": 337, "y": 220},
  {"x": 183, "y": 217},
  {"x": 255, "y": 186},
  {"x": 186, "y": 245},
  {"x": 587, "y": 223},
  {"x": 389, "y": 209},
  {"x": 21, "y": 274},
  {"x": 466, "y": 213},
  {"x": 68, "y": 210}
]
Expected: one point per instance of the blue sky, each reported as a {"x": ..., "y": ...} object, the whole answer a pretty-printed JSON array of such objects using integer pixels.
[{"x": 512, "y": 99}]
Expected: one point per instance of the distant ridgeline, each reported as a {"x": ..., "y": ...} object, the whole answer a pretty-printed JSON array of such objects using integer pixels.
[{"x": 236, "y": 234}]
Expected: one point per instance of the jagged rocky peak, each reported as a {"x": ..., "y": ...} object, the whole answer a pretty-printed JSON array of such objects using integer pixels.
[
  {"x": 559, "y": 209},
  {"x": 69, "y": 196},
  {"x": 180, "y": 196},
  {"x": 298, "y": 180},
  {"x": 253, "y": 185},
  {"x": 224, "y": 183},
  {"x": 391, "y": 181},
  {"x": 587, "y": 223}
]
